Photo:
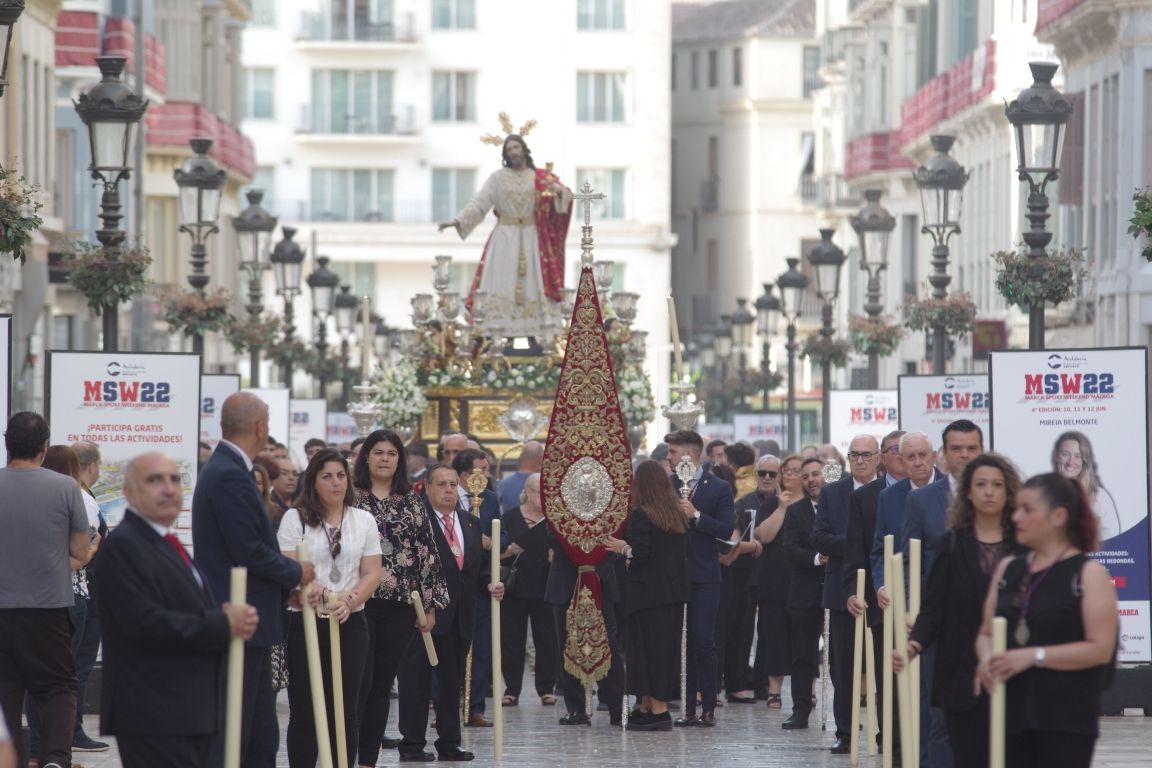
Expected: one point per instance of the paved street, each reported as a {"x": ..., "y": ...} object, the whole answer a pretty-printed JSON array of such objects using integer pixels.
[{"x": 745, "y": 735}]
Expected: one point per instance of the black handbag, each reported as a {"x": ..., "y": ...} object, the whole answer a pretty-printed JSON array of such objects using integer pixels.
[{"x": 508, "y": 574}]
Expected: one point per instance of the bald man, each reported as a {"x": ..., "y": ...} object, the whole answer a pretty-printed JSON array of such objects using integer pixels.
[
  {"x": 531, "y": 459},
  {"x": 161, "y": 623},
  {"x": 231, "y": 527}
]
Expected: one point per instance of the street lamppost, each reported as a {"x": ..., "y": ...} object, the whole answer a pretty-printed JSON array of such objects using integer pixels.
[
  {"x": 873, "y": 226},
  {"x": 322, "y": 282},
  {"x": 767, "y": 326},
  {"x": 287, "y": 265},
  {"x": 344, "y": 307},
  {"x": 10, "y": 11},
  {"x": 941, "y": 181},
  {"x": 1038, "y": 116},
  {"x": 199, "y": 180},
  {"x": 826, "y": 260},
  {"x": 382, "y": 342},
  {"x": 792, "y": 285},
  {"x": 253, "y": 227},
  {"x": 741, "y": 321},
  {"x": 722, "y": 343},
  {"x": 110, "y": 110}
]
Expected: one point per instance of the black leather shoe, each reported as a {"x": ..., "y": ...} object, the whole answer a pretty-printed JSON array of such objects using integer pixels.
[
  {"x": 706, "y": 720},
  {"x": 841, "y": 747},
  {"x": 417, "y": 757},
  {"x": 741, "y": 699},
  {"x": 454, "y": 754},
  {"x": 649, "y": 722},
  {"x": 389, "y": 743},
  {"x": 796, "y": 722},
  {"x": 761, "y": 693},
  {"x": 575, "y": 718},
  {"x": 687, "y": 721}
]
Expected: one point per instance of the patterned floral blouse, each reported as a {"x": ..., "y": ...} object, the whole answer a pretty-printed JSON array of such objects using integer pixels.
[{"x": 410, "y": 559}]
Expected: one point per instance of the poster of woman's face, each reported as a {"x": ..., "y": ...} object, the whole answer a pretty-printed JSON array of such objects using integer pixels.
[{"x": 1072, "y": 457}]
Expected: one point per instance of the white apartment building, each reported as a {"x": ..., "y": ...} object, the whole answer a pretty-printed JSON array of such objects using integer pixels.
[
  {"x": 367, "y": 117},
  {"x": 896, "y": 73}
]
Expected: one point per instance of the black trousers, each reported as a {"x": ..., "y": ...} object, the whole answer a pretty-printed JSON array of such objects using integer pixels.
[
  {"x": 302, "y": 737},
  {"x": 702, "y": 647},
  {"x": 610, "y": 690},
  {"x": 36, "y": 658},
  {"x": 841, "y": 639},
  {"x": 259, "y": 727},
  {"x": 773, "y": 650},
  {"x": 416, "y": 689},
  {"x": 877, "y": 630},
  {"x": 1048, "y": 749},
  {"x": 804, "y": 628},
  {"x": 735, "y": 653},
  {"x": 85, "y": 645},
  {"x": 515, "y": 614},
  {"x": 968, "y": 735},
  {"x": 141, "y": 751},
  {"x": 391, "y": 625}
]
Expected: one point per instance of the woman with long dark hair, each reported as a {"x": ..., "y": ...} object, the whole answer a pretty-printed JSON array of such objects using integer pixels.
[
  {"x": 410, "y": 565},
  {"x": 345, "y": 547},
  {"x": 657, "y": 552},
  {"x": 979, "y": 536},
  {"x": 1060, "y": 606}
]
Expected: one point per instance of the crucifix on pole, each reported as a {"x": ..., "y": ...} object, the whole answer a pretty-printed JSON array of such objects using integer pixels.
[{"x": 584, "y": 198}]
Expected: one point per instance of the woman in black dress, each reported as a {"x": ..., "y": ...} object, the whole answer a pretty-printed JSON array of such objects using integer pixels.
[
  {"x": 980, "y": 534},
  {"x": 1062, "y": 628},
  {"x": 657, "y": 553}
]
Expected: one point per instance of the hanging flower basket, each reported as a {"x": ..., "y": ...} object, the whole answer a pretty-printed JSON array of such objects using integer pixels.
[
  {"x": 19, "y": 202},
  {"x": 821, "y": 350},
  {"x": 955, "y": 312},
  {"x": 190, "y": 313},
  {"x": 881, "y": 337},
  {"x": 290, "y": 352},
  {"x": 252, "y": 333},
  {"x": 106, "y": 278},
  {"x": 1025, "y": 282},
  {"x": 1141, "y": 222},
  {"x": 398, "y": 395}
]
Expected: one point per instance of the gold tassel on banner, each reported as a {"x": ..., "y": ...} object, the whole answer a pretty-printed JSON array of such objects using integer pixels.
[{"x": 587, "y": 647}]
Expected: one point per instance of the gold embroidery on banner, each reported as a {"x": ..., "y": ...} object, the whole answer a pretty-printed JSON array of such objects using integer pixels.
[{"x": 587, "y": 647}]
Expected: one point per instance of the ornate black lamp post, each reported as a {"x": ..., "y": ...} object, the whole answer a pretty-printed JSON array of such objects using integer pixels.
[
  {"x": 767, "y": 326},
  {"x": 741, "y": 322},
  {"x": 110, "y": 110},
  {"x": 253, "y": 227},
  {"x": 323, "y": 283},
  {"x": 873, "y": 226},
  {"x": 287, "y": 265},
  {"x": 1038, "y": 116},
  {"x": 791, "y": 284},
  {"x": 10, "y": 11},
  {"x": 826, "y": 259},
  {"x": 941, "y": 181},
  {"x": 345, "y": 307}
]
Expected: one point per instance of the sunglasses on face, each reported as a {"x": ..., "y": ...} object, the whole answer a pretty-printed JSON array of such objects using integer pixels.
[
  {"x": 334, "y": 543},
  {"x": 767, "y": 473},
  {"x": 893, "y": 449}
]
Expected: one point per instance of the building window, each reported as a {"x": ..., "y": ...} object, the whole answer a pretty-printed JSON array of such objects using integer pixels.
[
  {"x": 259, "y": 94},
  {"x": 265, "y": 180},
  {"x": 454, "y": 97},
  {"x": 452, "y": 188},
  {"x": 346, "y": 194},
  {"x": 263, "y": 13},
  {"x": 345, "y": 101},
  {"x": 673, "y": 69},
  {"x": 600, "y": 97},
  {"x": 600, "y": 14},
  {"x": 361, "y": 276},
  {"x": 453, "y": 14},
  {"x": 713, "y": 66},
  {"x": 610, "y": 181},
  {"x": 695, "y": 69},
  {"x": 737, "y": 66},
  {"x": 812, "y": 79},
  {"x": 366, "y": 20}
]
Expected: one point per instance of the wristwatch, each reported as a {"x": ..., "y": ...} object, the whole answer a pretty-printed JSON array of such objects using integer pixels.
[{"x": 1040, "y": 659}]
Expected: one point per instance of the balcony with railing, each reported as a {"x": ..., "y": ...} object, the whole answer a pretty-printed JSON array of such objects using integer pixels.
[
  {"x": 1051, "y": 11},
  {"x": 366, "y": 209},
  {"x": 836, "y": 42},
  {"x": 835, "y": 192},
  {"x": 336, "y": 123},
  {"x": 970, "y": 81},
  {"x": 874, "y": 153},
  {"x": 330, "y": 25},
  {"x": 809, "y": 189}
]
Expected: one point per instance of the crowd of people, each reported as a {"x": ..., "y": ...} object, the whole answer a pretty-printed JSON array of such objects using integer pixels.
[{"x": 753, "y": 558}]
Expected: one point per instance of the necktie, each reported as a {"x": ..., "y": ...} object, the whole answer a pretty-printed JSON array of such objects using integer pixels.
[
  {"x": 453, "y": 544},
  {"x": 174, "y": 541}
]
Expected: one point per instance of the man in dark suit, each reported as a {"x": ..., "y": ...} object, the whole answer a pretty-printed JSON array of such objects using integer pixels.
[
  {"x": 805, "y": 616},
  {"x": 164, "y": 637},
  {"x": 829, "y": 537},
  {"x": 458, "y": 542},
  {"x": 231, "y": 527},
  {"x": 710, "y": 512}
]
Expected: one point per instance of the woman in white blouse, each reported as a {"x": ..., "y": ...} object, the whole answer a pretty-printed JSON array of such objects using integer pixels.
[{"x": 344, "y": 543}]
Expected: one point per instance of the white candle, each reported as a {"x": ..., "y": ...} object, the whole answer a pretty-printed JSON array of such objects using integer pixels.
[
  {"x": 365, "y": 343},
  {"x": 675, "y": 339}
]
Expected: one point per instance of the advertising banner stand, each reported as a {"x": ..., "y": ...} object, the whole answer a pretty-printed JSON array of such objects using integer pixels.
[
  {"x": 1084, "y": 413},
  {"x": 930, "y": 403},
  {"x": 214, "y": 390},
  {"x": 279, "y": 411},
  {"x": 861, "y": 412},
  {"x": 308, "y": 420}
]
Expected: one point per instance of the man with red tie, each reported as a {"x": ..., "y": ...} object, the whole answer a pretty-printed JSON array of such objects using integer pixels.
[{"x": 164, "y": 637}]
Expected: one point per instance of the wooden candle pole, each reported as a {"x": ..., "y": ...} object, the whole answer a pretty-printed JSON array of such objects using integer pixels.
[
  {"x": 870, "y": 686},
  {"x": 315, "y": 679},
  {"x": 429, "y": 645},
  {"x": 857, "y": 653},
  {"x": 996, "y": 713},
  {"x": 337, "y": 681},
  {"x": 497, "y": 656},
  {"x": 914, "y": 611},
  {"x": 676, "y": 353},
  {"x": 886, "y": 660},
  {"x": 900, "y": 634},
  {"x": 235, "y": 699}
]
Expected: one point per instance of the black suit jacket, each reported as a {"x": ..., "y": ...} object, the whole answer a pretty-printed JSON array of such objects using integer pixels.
[
  {"x": 164, "y": 639},
  {"x": 858, "y": 544},
  {"x": 713, "y": 497},
  {"x": 464, "y": 584},
  {"x": 231, "y": 527},
  {"x": 562, "y": 576},
  {"x": 807, "y": 586},
  {"x": 658, "y": 571},
  {"x": 829, "y": 535}
]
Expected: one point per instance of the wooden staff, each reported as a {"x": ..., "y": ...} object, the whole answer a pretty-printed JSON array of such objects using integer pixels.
[
  {"x": 337, "y": 681},
  {"x": 886, "y": 660},
  {"x": 235, "y": 676},
  {"x": 913, "y": 612},
  {"x": 429, "y": 646},
  {"x": 468, "y": 684},
  {"x": 824, "y": 672},
  {"x": 903, "y": 682},
  {"x": 870, "y": 686},
  {"x": 996, "y": 711},
  {"x": 685, "y": 471},
  {"x": 497, "y": 672},
  {"x": 857, "y": 660},
  {"x": 315, "y": 679}
]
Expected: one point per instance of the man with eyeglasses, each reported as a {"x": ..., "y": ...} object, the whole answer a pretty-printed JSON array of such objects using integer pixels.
[
  {"x": 828, "y": 537},
  {"x": 769, "y": 584}
]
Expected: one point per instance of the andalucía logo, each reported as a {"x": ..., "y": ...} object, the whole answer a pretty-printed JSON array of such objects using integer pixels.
[
  {"x": 1056, "y": 361},
  {"x": 1040, "y": 386}
]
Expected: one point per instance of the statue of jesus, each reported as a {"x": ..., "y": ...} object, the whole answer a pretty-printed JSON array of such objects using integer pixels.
[{"x": 522, "y": 268}]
